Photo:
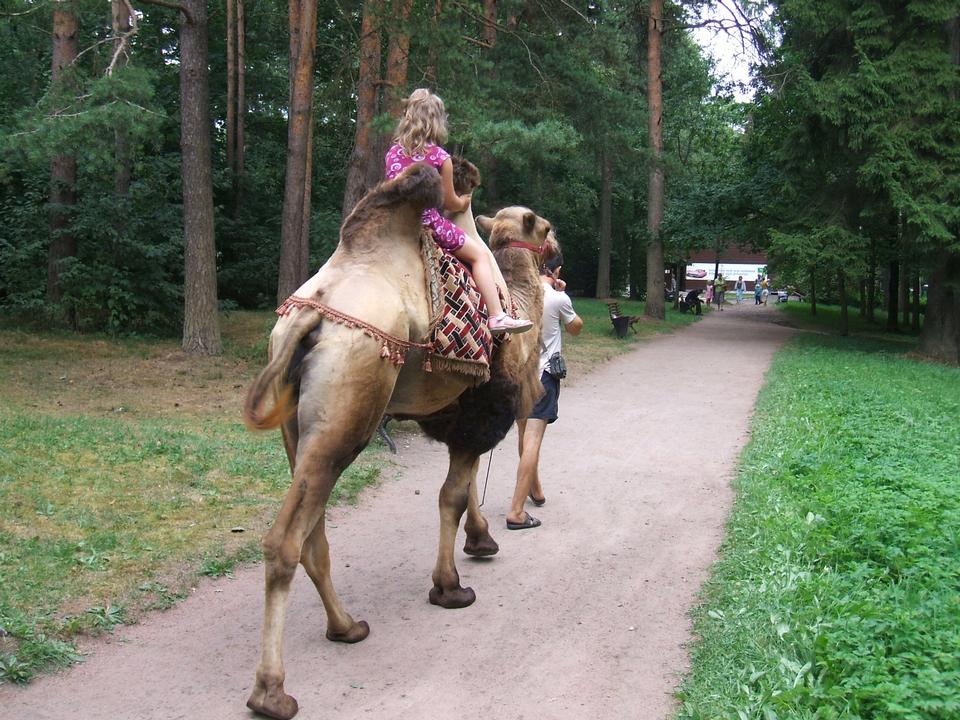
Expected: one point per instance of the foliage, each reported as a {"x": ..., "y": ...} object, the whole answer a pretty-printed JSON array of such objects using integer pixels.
[
  {"x": 835, "y": 595},
  {"x": 534, "y": 112},
  {"x": 855, "y": 132}
]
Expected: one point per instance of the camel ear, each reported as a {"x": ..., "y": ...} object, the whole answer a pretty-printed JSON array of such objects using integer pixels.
[
  {"x": 529, "y": 222},
  {"x": 484, "y": 223}
]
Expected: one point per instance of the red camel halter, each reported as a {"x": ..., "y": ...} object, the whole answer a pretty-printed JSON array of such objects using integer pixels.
[{"x": 538, "y": 249}]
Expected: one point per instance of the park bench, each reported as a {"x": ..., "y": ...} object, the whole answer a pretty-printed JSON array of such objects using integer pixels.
[{"x": 620, "y": 321}]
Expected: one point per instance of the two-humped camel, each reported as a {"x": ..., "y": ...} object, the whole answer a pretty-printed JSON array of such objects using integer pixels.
[{"x": 328, "y": 384}]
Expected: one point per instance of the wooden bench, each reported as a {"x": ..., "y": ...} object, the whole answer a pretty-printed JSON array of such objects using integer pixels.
[{"x": 620, "y": 321}]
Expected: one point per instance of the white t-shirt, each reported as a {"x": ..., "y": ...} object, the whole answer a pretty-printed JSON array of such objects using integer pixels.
[{"x": 557, "y": 314}]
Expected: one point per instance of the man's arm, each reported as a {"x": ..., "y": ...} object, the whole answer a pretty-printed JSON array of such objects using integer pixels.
[{"x": 575, "y": 326}]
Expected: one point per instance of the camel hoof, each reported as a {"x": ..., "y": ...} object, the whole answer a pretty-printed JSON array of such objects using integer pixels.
[
  {"x": 276, "y": 704},
  {"x": 481, "y": 547},
  {"x": 451, "y": 599},
  {"x": 357, "y": 632}
]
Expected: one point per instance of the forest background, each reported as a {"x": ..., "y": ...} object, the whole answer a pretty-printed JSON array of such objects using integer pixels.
[{"x": 163, "y": 160}]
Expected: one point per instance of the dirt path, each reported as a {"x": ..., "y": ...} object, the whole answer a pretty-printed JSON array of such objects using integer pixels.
[{"x": 585, "y": 615}]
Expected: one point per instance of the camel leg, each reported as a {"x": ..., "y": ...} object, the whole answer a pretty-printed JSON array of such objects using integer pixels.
[
  {"x": 454, "y": 495},
  {"x": 316, "y": 561},
  {"x": 330, "y": 437},
  {"x": 479, "y": 541},
  {"x": 302, "y": 508}
]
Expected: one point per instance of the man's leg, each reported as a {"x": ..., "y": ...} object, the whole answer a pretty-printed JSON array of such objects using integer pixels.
[{"x": 531, "y": 436}]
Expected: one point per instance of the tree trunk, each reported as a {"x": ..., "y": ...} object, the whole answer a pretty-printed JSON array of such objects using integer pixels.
[
  {"x": 872, "y": 289},
  {"x": 231, "y": 18},
  {"x": 201, "y": 328},
  {"x": 893, "y": 284},
  {"x": 430, "y": 74},
  {"x": 63, "y": 167},
  {"x": 940, "y": 338},
  {"x": 813, "y": 291},
  {"x": 123, "y": 165},
  {"x": 490, "y": 23},
  {"x": 863, "y": 298},
  {"x": 394, "y": 85},
  {"x": 239, "y": 151},
  {"x": 296, "y": 220},
  {"x": 606, "y": 212},
  {"x": 915, "y": 309},
  {"x": 304, "y": 258},
  {"x": 844, "y": 312},
  {"x": 636, "y": 263},
  {"x": 236, "y": 101},
  {"x": 363, "y": 143},
  {"x": 941, "y": 323},
  {"x": 903, "y": 295},
  {"x": 653, "y": 307}
]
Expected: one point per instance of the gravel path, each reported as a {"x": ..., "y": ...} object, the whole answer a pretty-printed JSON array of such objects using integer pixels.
[{"x": 584, "y": 615}]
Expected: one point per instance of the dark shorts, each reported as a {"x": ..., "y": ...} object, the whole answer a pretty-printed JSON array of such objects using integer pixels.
[{"x": 548, "y": 405}]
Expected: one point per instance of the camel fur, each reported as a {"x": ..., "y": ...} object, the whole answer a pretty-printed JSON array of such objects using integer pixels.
[{"x": 326, "y": 386}]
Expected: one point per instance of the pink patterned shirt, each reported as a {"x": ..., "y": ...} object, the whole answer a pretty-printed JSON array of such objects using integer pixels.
[{"x": 445, "y": 233}]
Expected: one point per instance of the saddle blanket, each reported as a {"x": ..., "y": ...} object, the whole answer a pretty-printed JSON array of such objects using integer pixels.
[{"x": 460, "y": 337}]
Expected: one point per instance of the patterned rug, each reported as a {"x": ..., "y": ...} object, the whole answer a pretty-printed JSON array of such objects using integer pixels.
[{"x": 460, "y": 337}]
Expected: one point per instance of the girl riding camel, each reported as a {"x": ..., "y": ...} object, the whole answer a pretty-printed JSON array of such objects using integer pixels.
[{"x": 417, "y": 139}]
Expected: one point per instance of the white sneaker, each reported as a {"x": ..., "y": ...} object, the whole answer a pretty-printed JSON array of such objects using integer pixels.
[{"x": 503, "y": 323}]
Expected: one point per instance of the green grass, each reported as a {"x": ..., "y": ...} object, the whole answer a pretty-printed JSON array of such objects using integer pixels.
[
  {"x": 827, "y": 319},
  {"x": 837, "y": 594},
  {"x": 107, "y": 514}
]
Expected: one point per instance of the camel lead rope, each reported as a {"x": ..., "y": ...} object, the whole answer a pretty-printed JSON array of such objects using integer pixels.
[{"x": 484, "y": 496}]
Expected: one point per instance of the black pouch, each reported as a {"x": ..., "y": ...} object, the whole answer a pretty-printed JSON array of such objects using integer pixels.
[{"x": 556, "y": 366}]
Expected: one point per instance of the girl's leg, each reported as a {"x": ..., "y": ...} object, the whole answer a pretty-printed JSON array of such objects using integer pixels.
[
  {"x": 481, "y": 267},
  {"x": 482, "y": 272}
]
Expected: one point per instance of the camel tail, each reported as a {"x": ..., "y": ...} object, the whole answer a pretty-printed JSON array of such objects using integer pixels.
[{"x": 275, "y": 377}]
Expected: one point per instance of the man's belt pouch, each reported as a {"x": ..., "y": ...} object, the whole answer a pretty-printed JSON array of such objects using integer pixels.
[{"x": 556, "y": 366}]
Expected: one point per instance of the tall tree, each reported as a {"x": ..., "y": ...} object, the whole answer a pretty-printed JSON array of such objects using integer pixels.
[
  {"x": 236, "y": 99},
  {"x": 201, "y": 326},
  {"x": 296, "y": 198},
  {"x": 364, "y": 142},
  {"x": 606, "y": 214},
  {"x": 63, "y": 167},
  {"x": 654, "y": 307},
  {"x": 941, "y": 328}
]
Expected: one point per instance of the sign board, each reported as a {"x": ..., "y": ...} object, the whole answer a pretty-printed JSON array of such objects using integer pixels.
[{"x": 730, "y": 271}]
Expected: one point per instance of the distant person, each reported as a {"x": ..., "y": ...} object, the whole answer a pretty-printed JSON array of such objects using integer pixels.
[
  {"x": 766, "y": 290},
  {"x": 739, "y": 287},
  {"x": 692, "y": 302},
  {"x": 758, "y": 291},
  {"x": 558, "y": 314},
  {"x": 708, "y": 293},
  {"x": 719, "y": 289}
]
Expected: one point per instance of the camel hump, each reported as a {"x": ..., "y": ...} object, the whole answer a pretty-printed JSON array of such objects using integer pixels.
[{"x": 418, "y": 187}]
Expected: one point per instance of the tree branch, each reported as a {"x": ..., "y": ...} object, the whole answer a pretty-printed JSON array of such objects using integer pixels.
[{"x": 172, "y": 6}]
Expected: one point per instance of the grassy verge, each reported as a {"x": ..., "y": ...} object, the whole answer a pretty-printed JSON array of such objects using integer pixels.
[
  {"x": 124, "y": 474},
  {"x": 837, "y": 594},
  {"x": 827, "y": 320},
  {"x": 598, "y": 342}
]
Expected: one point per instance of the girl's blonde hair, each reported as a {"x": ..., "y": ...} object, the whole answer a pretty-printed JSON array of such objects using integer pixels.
[{"x": 424, "y": 121}]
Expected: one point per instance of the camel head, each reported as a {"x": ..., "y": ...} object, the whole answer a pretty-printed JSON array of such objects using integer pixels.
[
  {"x": 520, "y": 227},
  {"x": 466, "y": 176}
]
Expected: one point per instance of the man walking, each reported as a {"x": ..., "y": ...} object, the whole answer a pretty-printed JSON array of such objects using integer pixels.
[{"x": 558, "y": 314}]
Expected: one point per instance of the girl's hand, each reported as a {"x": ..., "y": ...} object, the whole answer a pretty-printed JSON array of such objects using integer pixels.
[
  {"x": 465, "y": 199},
  {"x": 559, "y": 285}
]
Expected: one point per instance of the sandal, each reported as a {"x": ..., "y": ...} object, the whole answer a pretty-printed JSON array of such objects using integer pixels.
[{"x": 529, "y": 522}]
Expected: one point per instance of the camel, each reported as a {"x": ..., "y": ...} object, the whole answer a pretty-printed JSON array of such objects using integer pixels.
[{"x": 329, "y": 380}]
